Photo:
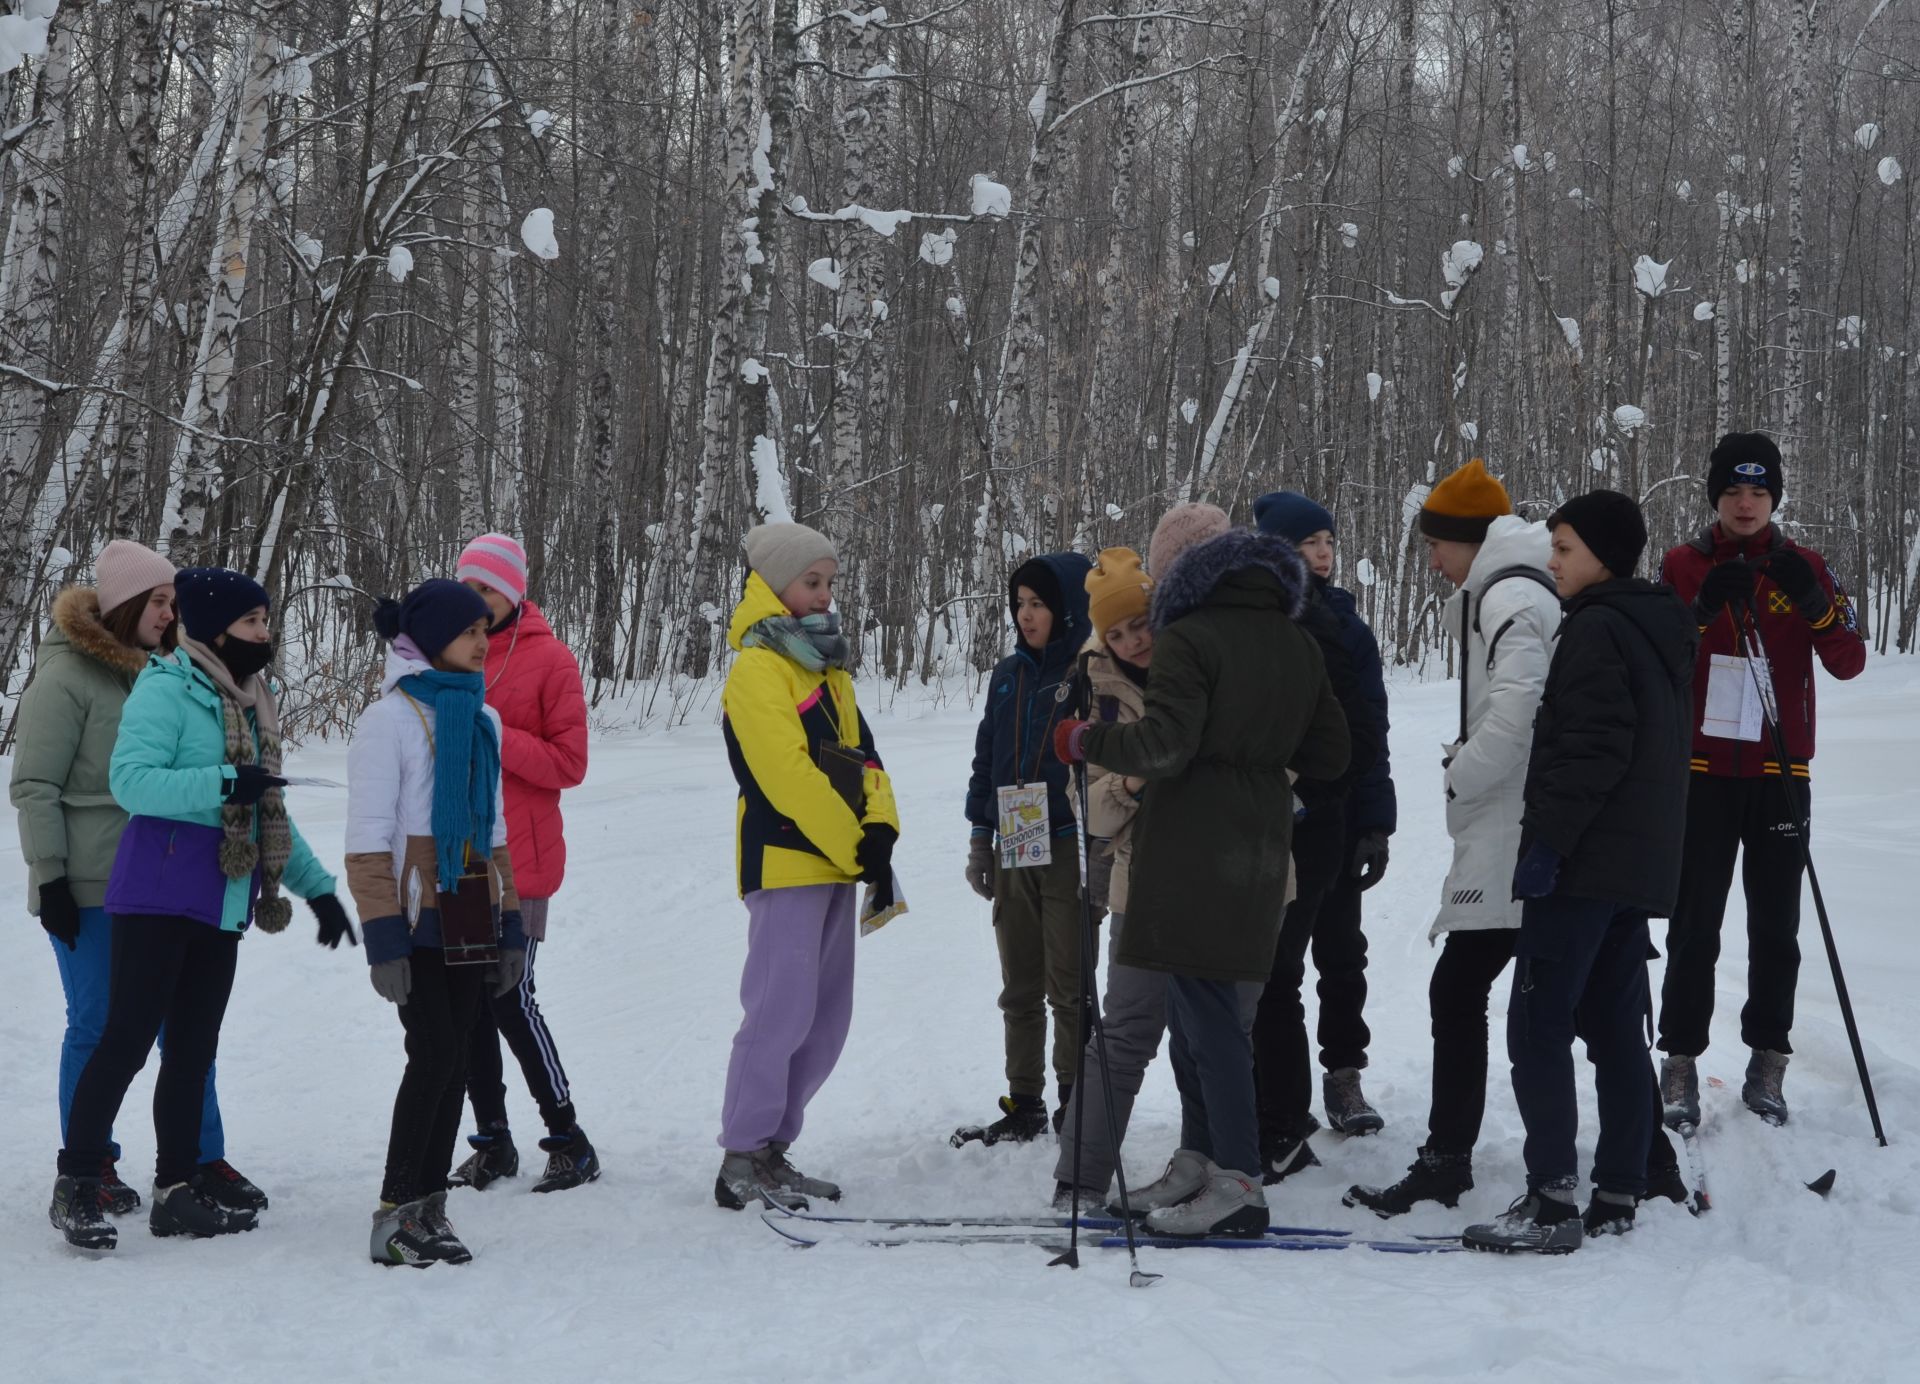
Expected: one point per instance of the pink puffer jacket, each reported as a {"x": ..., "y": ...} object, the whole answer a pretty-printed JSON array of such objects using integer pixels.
[{"x": 533, "y": 681}]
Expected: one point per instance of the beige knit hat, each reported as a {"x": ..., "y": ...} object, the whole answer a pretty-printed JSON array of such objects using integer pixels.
[
  {"x": 1179, "y": 529},
  {"x": 781, "y": 552},
  {"x": 126, "y": 569}
]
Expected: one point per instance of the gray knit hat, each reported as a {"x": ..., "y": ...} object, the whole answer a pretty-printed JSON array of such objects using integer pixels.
[{"x": 781, "y": 552}]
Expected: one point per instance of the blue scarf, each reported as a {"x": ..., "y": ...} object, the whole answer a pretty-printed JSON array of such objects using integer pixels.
[{"x": 466, "y": 767}]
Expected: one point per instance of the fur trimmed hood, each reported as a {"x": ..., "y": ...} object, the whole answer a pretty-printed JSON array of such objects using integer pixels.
[
  {"x": 1202, "y": 569},
  {"x": 76, "y": 613}
]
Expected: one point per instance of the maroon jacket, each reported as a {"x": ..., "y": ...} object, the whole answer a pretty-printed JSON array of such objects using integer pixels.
[{"x": 1790, "y": 642}]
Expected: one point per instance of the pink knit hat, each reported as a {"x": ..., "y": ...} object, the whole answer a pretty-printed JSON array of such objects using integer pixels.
[
  {"x": 126, "y": 569},
  {"x": 1179, "y": 529},
  {"x": 497, "y": 560}
]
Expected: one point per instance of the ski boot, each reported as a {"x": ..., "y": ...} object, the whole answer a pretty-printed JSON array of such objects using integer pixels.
[
  {"x": 1089, "y": 1200},
  {"x": 224, "y": 1183},
  {"x": 116, "y": 1198},
  {"x": 405, "y": 1234},
  {"x": 494, "y": 1157},
  {"x": 1609, "y": 1213},
  {"x": 1535, "y": 1224},
  {"x": 571, "y": 1161},
  {"x": 1432, "y": 1176},
  {"x": 1023, "y": 1120},
  {"x": 1679, "y": 1092},
  {"x": 1761, "y": 1090},
  {"x": 1347, "y": 1109},
  {"x": 1230, "y": 1204},
  {"x": 749, "y": 1179},
  {"x": 1664, "y": 1178},
  {"x": 433, "y": 1215},
  {"x": 193, "y": 1208},
  {"x": 1186, "y": 1177},
  {"x": 76, "y": 1213},
  {"x": 793, "y": 1180},
  {"x": 1286, "y": 1155}
]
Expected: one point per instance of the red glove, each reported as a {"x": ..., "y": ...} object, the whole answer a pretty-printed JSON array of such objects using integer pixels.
[{"x": 1068, "y": 738}]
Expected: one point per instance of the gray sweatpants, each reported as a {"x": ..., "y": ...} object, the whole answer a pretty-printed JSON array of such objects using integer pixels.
[{"x": 1135, "y": 1015}]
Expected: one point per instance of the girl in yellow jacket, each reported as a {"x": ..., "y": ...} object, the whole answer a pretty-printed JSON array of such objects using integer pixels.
[{"x": 816, "y": 818}]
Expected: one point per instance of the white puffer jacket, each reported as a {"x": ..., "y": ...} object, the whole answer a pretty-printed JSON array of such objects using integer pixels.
[
  {"x": 390, "y": 849},
  {"x": 1506, "y": 629}
]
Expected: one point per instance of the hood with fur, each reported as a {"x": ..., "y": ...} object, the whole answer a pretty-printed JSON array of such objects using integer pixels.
[
  {"x": 76, "y": 614},
  {"x": 1253, "y": 564}
]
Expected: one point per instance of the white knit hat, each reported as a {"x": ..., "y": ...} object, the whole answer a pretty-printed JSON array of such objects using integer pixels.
[{"x": 126, "y": 569}]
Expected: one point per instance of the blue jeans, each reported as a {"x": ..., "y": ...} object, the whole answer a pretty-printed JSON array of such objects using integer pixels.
[
  {"x": 1581, "y": 972},
  {"x": 1208, "y": 1044},
  {"x": 85, "y": 973}
]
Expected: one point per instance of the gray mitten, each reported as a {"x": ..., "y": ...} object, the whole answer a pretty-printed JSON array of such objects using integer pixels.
[
  {"x": 509, "y": 970},
  {"x": 392, "y": 980},
  {"x": 980, "y": 866}
]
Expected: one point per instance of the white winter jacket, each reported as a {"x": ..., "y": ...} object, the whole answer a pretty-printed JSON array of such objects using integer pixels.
[
  {"x": 391, "y": 861},
  {"x": 1506, "y": 625}
]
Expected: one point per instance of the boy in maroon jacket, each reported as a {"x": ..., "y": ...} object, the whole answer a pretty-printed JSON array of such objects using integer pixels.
[{"x": 1745, "y": 577}]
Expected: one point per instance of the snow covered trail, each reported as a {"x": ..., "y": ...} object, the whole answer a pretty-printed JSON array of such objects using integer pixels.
[{"x": 640, "y": 1277}]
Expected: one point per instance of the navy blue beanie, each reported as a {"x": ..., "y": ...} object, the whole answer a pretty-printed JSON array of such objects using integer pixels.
[
  {"x": 433, "y": 614},
  {"x": 212, "y": 598},
  {"x": 1290, "y": 515}
]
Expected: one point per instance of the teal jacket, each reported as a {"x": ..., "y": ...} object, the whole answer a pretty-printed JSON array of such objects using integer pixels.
[{"x": 171, "y": 761}]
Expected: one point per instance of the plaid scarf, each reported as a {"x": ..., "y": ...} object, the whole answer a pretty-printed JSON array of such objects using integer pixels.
[
  {"x": 814, "y": 642},
  {"x": 243, "y": 851}
]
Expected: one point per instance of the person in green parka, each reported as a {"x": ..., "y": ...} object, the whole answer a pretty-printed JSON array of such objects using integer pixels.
[{"x": 1239, "y": 696}]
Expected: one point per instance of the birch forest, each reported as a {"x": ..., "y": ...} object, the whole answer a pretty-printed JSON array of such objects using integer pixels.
[{"x": 319, "y": 289}]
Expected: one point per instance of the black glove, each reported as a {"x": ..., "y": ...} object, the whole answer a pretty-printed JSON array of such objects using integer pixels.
[
  {"x": 875, "y": 853},
  {"x": 1729, "y": 584},
  {"x": 1793, "y": 574},
  {"x": 334, "y": 923},
  {"x": 250, "y": 783},
  {"x": 1370, "y": 859},
  {"x": 980, "y": 865},
  {"x": 59, "y": 914},
  {"x": 1099, "y": 873}
]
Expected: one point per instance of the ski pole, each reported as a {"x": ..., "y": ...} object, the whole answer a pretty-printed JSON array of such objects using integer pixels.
[
  {"x": 1750, "y": 643},
  {"x": 1090, "y": 1007}
]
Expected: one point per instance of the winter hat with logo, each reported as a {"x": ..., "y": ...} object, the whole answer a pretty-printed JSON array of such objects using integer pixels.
[
  {"x": 1462, "y": 507},
  {"x": 432, "y": 615},
  {"x": 1179, "y": 529},
  {"x": 497, "y": 561},
  {"x": 1748, "y": 458},
  {"x": 126, "y": 569},
  {"x": 212, "y": 598},
  {"x": 1117, "y": 590},
  {"x": 781, "y": 552},
  {"x": 1610, "y": 524},
  {"x": 1290, "y": 515}
]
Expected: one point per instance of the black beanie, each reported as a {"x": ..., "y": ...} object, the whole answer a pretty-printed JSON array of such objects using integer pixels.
[
  {"x": 1748, "y": 458},
  {"x": 433, "y": 615},
  {"x": 1611, "y": 526}
]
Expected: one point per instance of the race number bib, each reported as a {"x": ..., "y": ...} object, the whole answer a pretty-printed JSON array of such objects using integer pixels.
[
  {"x": 1735, "y": 709},
  {"x": 1026, "y": 836}
]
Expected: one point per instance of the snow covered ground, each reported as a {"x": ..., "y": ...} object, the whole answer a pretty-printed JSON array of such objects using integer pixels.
[{"x": 640, "y": 1277}]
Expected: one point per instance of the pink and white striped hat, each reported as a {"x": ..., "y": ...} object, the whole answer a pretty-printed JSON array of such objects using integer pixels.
[{"x": 497, "y": 560}]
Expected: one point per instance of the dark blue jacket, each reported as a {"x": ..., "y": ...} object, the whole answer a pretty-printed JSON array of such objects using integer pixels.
[
  {"x": 1371, "y": 805},
  {"x": 1015, "y": 742}
]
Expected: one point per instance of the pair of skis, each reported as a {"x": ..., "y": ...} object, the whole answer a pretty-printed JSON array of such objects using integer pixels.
[
  {"x": 1050, "y": 1232},
  {"x": 1702, "y": 1199}
]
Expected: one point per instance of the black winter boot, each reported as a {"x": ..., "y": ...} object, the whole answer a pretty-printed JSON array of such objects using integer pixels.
[
  {"x": 116, "y": 1198},
  {"x": 571, "y": 1161},
  {"x": 1608, "y": 1214},
  {"x": 1024, "y": 1120},
  {"x": 1535, "y": 1224},
  {"x": 1282, "y": 1157},
  {"x": 192, "y": 1208},
  {"x": 494, "y": 1157},
  {"x": 1433, "y": 1176},
  {"x": 76, "y": 1213},
  {"x": 225, "y": 1184}
]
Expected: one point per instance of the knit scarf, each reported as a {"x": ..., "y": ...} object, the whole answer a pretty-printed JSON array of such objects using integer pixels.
[
  {"x": 244, "y": 849},
  {"x": 466, "y": 768},
  {"x": 813, "y": 641}
]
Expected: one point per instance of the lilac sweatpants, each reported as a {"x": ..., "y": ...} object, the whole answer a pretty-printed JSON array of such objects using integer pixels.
[{"x": 796, "y": 992}]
